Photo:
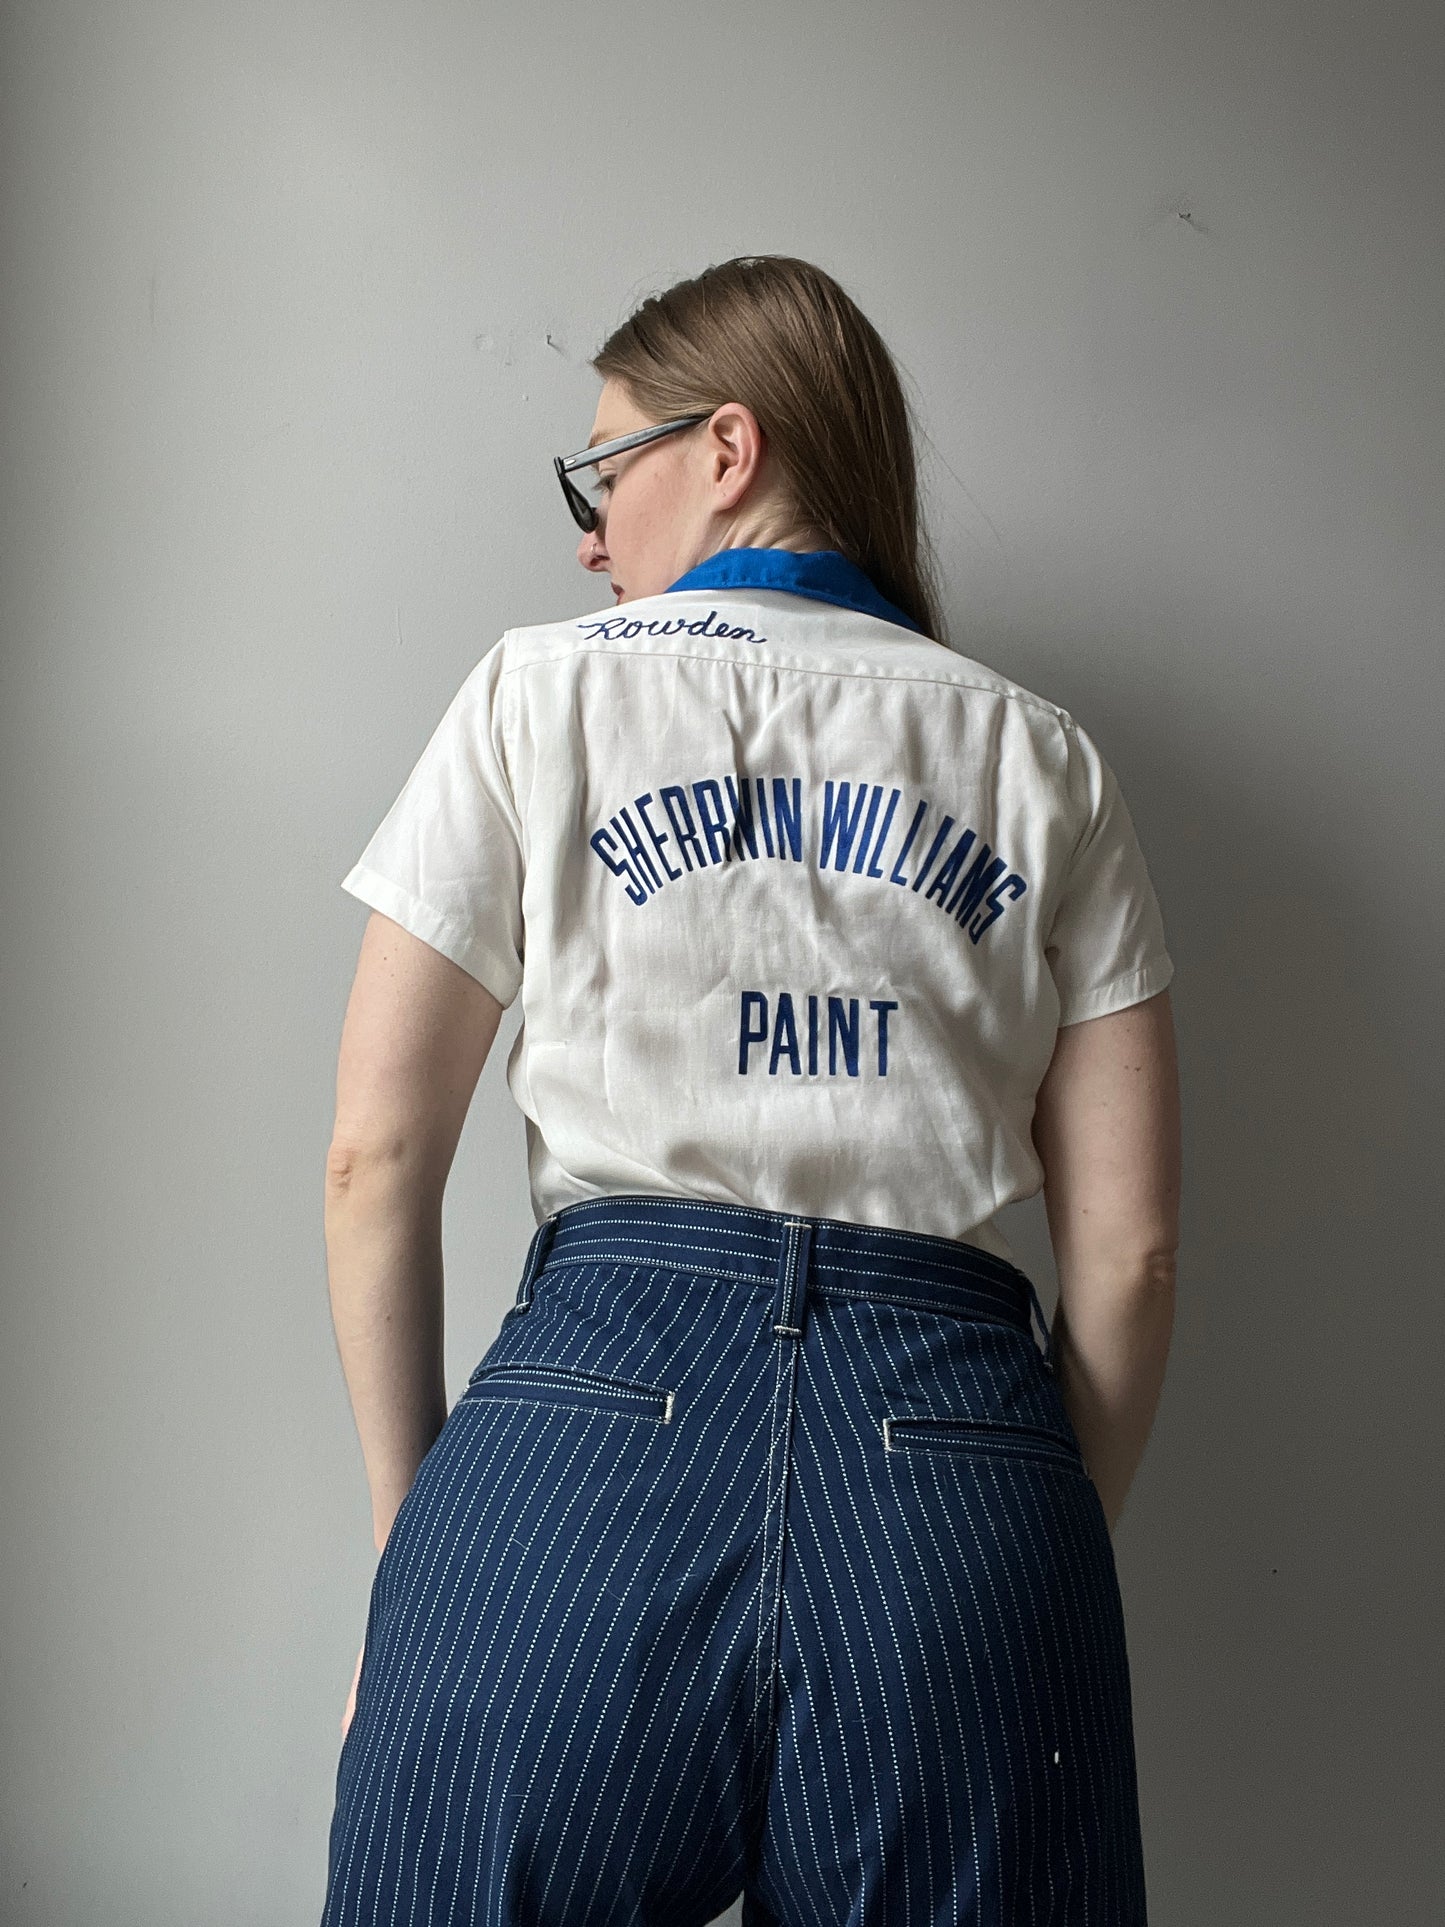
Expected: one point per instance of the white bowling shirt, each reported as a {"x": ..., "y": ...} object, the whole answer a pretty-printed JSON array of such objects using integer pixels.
[{"x": 795, "y": 897}]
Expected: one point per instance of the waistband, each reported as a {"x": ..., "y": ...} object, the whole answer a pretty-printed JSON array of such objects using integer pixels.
[{"x": 755, "y": 1245}]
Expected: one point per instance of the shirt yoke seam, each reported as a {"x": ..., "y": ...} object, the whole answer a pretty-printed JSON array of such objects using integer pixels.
[{"x": 801, "y": 669}]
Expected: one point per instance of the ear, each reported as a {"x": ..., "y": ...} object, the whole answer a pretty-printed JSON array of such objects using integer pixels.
[{"x": 737, "y": 448}]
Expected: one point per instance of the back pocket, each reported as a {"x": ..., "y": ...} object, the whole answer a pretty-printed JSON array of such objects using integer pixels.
[
  {"x": 985, "y": 1438},
  {"x": 568, "y": 1388}
]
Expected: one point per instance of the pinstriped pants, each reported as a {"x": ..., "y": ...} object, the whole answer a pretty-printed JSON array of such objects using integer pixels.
[{"x": 758, "y": 1557}]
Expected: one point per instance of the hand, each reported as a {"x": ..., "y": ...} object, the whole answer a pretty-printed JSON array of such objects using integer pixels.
[{"x": 346, "y": 1717}]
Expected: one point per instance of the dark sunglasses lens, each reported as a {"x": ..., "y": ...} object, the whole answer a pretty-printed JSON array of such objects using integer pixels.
[{"x": 583, "y": 513}]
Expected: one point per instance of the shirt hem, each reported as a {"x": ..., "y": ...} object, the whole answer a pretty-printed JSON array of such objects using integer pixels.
[
  {"x": 1119, "y": 993},
  {"x": 434, "y": 927}
]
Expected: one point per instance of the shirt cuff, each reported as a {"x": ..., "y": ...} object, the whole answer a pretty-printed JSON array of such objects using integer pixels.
[{"x": 451, "y": 936}]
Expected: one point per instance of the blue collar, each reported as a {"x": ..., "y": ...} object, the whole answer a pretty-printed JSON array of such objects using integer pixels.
[{"x": 826, "y": 575}]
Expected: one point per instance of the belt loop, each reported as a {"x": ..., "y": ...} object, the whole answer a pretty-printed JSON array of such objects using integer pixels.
[
  {"x": 536, "y": 1257},
  {"x": 1048, "y": 1336},
  {"x": 792, "y": 1277}
]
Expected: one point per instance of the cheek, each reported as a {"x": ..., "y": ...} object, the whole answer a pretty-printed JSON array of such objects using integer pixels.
[
  {"x": 651, "y": 507},
  {"x": 628, "y": 521}
]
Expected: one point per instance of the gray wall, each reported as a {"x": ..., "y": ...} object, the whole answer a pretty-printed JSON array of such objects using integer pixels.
[{"x": 296, "y": 306}]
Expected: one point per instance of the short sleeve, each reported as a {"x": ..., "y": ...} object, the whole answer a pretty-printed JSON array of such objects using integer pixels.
[
  {"x": 447, "y": 860},
  {"x": 1105, "y": 946}
]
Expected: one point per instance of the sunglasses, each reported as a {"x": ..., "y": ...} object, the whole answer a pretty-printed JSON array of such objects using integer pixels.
[{"x": 584, "y": 513}]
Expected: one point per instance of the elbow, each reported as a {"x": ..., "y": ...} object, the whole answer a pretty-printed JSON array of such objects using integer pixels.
[
  {"x": 343, "y": 1161},
  {"x": 1117, "y": 1271},
  {"x": 1147, "y": 1273},
  {"x": 1159, "y": 1267},
  {"x": 385, "y": 1172},
  {"x": 352, "y": 1165}
]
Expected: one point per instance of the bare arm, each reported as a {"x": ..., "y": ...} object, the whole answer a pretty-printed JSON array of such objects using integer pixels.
[
  {"x": 417, "y": 1032},
  {"x": 1107, "y": 1130}
]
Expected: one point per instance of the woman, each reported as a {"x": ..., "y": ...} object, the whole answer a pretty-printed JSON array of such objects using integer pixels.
[{"x": 766, "y": 1552}]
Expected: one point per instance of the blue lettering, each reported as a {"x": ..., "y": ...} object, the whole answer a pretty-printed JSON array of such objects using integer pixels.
[
  {"x": 785, "y": 1036},
  {"x": 788, "y": 816},
  {"x": 918, "y": 816},
  {"x": 882, "y": 1007},
  {"x": 847, "y": 1030},
  {"x": 874, "y": 797},
  {"x": 944, "y": 827},
  {"x": 746, "y": 1036},
  {"x": 713, "y": 821},
  {"x": 600, "y": 837},
  {"x": 995, "y": 907},
  {"x": 674, "y": 798},
  {"x": 943, "y": 882},
  {"x": 836, "y": 821},
  {"x": 658, "y": 837},
  {"x": 763, "y": 817},
  {"x": 632, "y": 843},
  {"x": 980, "y": 878},
  {"x": 741, "y": 799},
  {"x": 843, "y": 1030},
  {"x": 624, "y": 628},
  {"x": 874, "y": 868}
]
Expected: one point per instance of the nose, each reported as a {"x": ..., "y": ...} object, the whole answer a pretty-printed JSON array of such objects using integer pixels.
[{"x": 592, "y": 550}]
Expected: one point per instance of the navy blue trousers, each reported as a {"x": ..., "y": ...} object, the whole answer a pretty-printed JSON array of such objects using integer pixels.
[{"x": 757, "y": 1558}]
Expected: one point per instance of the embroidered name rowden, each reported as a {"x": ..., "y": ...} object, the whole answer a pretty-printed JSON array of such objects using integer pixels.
[
  {"x": 625, "y": 628},
  {"x": 735, "y": 819}
]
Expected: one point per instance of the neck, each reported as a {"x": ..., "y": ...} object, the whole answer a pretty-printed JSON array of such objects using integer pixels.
[{"x": 765, "y": 527}]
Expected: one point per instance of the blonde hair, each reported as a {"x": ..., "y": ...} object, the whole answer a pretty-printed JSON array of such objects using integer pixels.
[{"x": 781, "y": 336}]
